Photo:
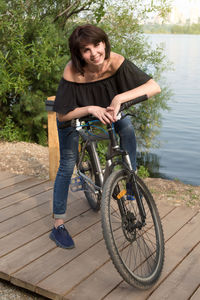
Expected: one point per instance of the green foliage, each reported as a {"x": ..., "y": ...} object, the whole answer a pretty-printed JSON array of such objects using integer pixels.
[
  {"x": 157, "y": 28},
  {"x": 102, "y": 149},
  {"x": 9, "y": 132},
  {"x": 173, "y": 29},
  {"x": 143, "y": 172},
  {"x": 186, "y": 29}
]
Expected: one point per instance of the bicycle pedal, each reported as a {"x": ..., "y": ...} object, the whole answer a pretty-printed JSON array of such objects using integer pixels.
[{"x": 76, "y": 184}]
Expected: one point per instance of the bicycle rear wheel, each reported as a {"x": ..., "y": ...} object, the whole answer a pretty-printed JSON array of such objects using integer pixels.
[
  {"x": 93, "y": 196},
  {"x": 137, "y": 252}
]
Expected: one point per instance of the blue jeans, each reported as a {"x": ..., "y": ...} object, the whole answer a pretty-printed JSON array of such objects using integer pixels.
[{"x": 68, "y": 140}]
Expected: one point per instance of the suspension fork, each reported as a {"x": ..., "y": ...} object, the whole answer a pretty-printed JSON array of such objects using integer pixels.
[
  {"x": 137, "y": 196},
  {"x": 132, "y": 180}
]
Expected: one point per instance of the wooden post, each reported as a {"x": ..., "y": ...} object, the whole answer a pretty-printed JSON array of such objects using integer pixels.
[{"x": 54, "y": 154}]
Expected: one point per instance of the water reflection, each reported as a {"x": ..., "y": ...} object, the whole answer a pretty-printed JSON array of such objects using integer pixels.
[{"x": 151, "y": 162}]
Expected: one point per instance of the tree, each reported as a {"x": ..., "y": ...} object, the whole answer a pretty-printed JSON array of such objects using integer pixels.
[{"x": 33, "y": 53}]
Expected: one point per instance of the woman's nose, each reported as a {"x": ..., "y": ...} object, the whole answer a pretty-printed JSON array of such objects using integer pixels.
[{"x": 93, "y": 51}]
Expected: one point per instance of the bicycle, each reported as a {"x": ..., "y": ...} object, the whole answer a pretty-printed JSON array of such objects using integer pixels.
[{"x": 131, "y": 225}]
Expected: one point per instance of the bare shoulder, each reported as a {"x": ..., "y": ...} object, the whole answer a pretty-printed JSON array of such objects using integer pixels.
[
  {"x": 116, "y": 60},
  {"x": 69, "y": 72}
]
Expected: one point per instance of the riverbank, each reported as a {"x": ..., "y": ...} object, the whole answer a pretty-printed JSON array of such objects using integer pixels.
[
  {"x": 33, "y": 160},
  {"x": 172, "y": 28}
]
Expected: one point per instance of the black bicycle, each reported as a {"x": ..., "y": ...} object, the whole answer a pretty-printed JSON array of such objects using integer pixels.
[{"x": 131, "y": 224}]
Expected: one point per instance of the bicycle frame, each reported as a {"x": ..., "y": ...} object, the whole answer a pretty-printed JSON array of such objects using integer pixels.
[{"x": 100, "y": 176}]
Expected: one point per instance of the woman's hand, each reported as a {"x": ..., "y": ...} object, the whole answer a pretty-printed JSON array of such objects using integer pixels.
[
  {"x": 103, "y": 114},
  {"x": 114, "y": 108}
]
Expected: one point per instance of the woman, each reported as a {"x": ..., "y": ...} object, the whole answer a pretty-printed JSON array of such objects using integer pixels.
[{"x": 95, "y": 81}]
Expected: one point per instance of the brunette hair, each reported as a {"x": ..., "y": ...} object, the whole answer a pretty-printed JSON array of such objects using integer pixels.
[{"x": 80, "y": 37}]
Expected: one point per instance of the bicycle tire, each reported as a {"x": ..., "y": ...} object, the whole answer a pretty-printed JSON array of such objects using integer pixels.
[
  {"x": 138, "y": 255},
  {"x": 92, "y": 198}
]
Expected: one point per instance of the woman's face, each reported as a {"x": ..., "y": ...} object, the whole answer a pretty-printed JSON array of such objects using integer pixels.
[{"x": 94, "y": 54}]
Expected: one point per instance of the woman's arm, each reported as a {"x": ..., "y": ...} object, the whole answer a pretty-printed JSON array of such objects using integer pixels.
[
  {"x": 150, "y": 88},
  {"x": 99, "y": 112}
]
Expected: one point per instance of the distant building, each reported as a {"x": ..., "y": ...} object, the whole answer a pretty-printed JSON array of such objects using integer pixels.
[{"x": 188, "y": 13}]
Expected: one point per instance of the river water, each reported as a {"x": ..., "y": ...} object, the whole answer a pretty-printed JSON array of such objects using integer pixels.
[{"x": 179, "y": 154}]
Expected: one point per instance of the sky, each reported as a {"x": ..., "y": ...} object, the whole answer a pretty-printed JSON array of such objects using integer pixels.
[{"x": 184, "y": 6}]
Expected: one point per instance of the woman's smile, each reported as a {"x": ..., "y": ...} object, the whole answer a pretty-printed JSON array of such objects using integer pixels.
[{"x": 96, "y": 59}]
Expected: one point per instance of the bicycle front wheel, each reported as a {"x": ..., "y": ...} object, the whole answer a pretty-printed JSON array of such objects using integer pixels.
[{"x": 137, "y": 251}]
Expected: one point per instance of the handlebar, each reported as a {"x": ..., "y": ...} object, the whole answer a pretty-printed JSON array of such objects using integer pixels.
[
  {"x": 126, "y": 105},
  {"x": 133, "y": 102}
]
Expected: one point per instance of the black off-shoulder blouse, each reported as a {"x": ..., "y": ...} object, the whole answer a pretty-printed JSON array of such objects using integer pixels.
[{"x": 71, "y": 95}]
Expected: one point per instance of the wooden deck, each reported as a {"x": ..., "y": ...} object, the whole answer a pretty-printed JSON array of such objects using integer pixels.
[{"x": 28, "y": 258}]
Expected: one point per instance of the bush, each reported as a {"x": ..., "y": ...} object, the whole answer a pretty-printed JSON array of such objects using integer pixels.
[
  {"x": 9, "y": 132},
  {"x": 143, "y": 172}
]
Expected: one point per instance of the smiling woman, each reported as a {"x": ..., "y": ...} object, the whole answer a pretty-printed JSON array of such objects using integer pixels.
[{"x": 95, "y": 81}]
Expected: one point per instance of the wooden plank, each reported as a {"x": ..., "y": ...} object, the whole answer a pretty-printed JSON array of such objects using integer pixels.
[
  {"x": 77, "y": 225},
  {"x": 12, "y": 181},
  {"x": 11, "y": 225},
  {"x": 177, "y": 218},
  {"x": 102, "y": 280},
  {"x": 53, "y": 142},
  {"x": 38, "y": 228},
  {"x": 33, "y": 273},
  {"x": 177, "y": 248},
  {"x": 34, "y": 189},
  {"x": 183, "y": 281},
  {"x": 24, "y": 235},
  {"x": 196, "y": 295},
  {"x": 75, "y": 271},
  {"x": 23, "y": 206},
  {"x": 39, "y": 252},
  {"x": 97, "y": 285},
  {"x": 19, "y": 187}
]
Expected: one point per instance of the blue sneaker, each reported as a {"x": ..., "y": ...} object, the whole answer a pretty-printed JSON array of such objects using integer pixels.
[
  {"x": 129, "y": 192},
  {"x": 61, "y": 237}
]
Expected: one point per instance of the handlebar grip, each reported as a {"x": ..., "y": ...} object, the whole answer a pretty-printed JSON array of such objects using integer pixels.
[{"x": 133, "y": 102}]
